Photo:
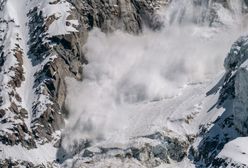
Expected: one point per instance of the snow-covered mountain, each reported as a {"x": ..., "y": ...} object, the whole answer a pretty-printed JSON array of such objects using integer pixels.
[{"x": 123, "y": 83}]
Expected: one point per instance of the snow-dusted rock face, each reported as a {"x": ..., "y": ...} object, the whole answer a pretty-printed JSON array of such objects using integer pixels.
[
  {"x": 30, "y": 109},
  {"x": 236, "y": 67},
  {"x": 126, "y": 15},
  {"x": 232, "y": 123}
]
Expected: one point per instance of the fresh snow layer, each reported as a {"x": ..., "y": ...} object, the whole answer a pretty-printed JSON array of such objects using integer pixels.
[
  {"x": 40, "y": 155},
  {"x": 61, "y": 10},
  {"x": 43, "y": 154},
  {"x": 236, "y": 150},
  {"x": 18, "y": 12}
]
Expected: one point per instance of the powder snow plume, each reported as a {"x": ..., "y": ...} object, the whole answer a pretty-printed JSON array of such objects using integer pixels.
[{"x": 125, "y": 70}]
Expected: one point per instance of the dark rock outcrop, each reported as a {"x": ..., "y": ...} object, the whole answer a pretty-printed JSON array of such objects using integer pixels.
[{"x": 232, "y": 123}]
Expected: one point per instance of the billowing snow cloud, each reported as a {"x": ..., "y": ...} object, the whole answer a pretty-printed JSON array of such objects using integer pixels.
[{"x": 125, "y": 69}]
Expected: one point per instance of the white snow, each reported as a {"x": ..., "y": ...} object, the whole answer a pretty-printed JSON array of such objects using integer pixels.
[
  {"x": 42, "y": 154},
  {"x": 236, "y": 150},
  {"x": 183, "y": 164},
  {"x": 18, "y": 13},
  {"x": 61, "y": 10}
]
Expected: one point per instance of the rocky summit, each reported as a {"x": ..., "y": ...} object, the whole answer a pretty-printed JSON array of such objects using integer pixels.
[{"x": 123, "y": 83}]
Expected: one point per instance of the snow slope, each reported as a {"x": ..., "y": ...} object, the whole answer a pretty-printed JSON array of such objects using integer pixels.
[{"x": 236, "y": 151}]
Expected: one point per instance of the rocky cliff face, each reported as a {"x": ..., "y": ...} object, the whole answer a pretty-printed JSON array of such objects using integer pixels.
[
  {"x": 41, "y": 44},
  {"x": 232, "y": 123}
]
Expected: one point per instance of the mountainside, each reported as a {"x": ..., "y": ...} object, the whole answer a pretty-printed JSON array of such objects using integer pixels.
[{"x": 114, "y": 83}]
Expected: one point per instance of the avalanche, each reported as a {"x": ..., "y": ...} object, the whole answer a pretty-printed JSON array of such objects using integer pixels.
[
  {"x": 159, "y": 98},
  {"x": 158, "y": 81}
]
